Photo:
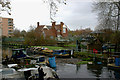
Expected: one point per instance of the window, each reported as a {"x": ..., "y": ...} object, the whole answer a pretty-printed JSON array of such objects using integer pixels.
[
  {"x": 58, "y": 30},
  {"x": 58, "y": 37},
  {"x": 64, "y": 30},
  {"x": 51, "y": 37},
  {"x": 10, "y": 31},
  {"x": 10, "y": 28},
  {"x": 10, "y": 22}
]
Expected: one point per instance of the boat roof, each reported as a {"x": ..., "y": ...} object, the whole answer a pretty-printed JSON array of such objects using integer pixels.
[
  {"x": 17, "y": 49},
  {"x": 27, "y": 69},
  {"x": 36, "y": 56},
  {"x": 12, "y": 65},
  {"x": 115, "y": 55}
]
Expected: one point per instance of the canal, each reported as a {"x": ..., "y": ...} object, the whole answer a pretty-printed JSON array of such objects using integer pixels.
[
  {"x": 86, "y": 71},
  {"x": 65, "y": 70}
]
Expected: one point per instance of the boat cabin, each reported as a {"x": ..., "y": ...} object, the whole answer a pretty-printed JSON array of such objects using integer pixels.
[{"x": 18, "y": 53}]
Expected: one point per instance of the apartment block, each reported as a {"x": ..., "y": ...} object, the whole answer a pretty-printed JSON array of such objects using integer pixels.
[{"x": 6, "y": 25}]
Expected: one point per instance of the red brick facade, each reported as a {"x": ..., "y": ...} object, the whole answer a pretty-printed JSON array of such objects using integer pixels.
[{"x": 56, "y": 31}]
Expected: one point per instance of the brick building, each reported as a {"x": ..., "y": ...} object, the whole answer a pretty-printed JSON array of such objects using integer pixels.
[
  {"x": 57, "y": 31},
  {"x": 6, "y": 26}
]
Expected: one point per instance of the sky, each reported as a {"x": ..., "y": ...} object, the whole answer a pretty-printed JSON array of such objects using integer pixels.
[{"x": 76, "y": 14}]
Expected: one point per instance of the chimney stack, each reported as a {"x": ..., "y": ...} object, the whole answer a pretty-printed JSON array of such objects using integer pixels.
[
  {"x": 61, "y": 27},
  {"x": 53, "y": 24},
  {"x": 61, "y": 23},
  {"x": 37, "y": 24}
]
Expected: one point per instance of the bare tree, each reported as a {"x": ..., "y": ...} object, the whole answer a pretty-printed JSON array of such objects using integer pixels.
[
  {"x": 5, "y": 6},
  {"x": 53, "y": 7},
  {"x": 23, "y": 33},
  {"x": 16, "y": 33},
  {"x": 108, "y": 14},
  {"x": 109, "y": 18}
]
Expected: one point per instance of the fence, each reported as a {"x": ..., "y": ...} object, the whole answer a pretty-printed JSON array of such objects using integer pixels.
[{"x": 13, "y": 40}]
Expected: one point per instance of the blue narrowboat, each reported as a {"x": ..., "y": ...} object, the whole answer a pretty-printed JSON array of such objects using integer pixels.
[
  {"x": 18, "y": 53},
  {"x": 114, "y": 62},
  {"x": 62, "y": 53}
]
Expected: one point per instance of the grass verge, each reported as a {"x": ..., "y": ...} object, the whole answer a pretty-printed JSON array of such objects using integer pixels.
[{"x": 83, "y": 62}]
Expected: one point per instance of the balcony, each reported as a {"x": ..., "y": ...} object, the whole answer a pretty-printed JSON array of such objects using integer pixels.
[
  {"x": 10, "y": 31},
  {"x": 10, "y": 28},
  {"x": 10, "y": 24}
]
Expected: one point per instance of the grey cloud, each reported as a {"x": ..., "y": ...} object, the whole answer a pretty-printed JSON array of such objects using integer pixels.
[{"x": 79, "y": 14}]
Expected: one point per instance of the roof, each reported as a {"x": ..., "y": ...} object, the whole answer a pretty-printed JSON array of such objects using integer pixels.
[
  {"x": 6, "y": 17},
  {"x": 49, "y": 27},
  {"x": 45, "y": 27},
  {"x": 40, "y": 27},
  {"x": 64, "y": 26},
  {"x": 17, "y": 49},
  {"x": 57, "y": 27}
]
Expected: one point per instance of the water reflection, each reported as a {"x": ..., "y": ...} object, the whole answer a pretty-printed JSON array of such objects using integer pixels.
[
  {"x": 117, "y": 75},
  {"x": 77, "y": 68},
  {"x": 85, "y": 71},
  {"x": 95, "y": 69}
]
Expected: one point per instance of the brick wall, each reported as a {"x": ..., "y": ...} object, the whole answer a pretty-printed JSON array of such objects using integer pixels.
[{"x": 6, "y": 27}]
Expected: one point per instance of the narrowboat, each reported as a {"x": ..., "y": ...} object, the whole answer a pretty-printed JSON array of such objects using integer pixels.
[
  {"x": 114, "y": 62},
  {"x": 62, "y": 53},
  {"x": 18, "y": 53}
]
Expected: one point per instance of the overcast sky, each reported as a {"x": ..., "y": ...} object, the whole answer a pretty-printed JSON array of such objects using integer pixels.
[{"x": 76, "y": 14}]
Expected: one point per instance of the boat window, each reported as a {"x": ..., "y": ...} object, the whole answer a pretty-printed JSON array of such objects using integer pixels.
[
  {"x": 24, "y": 52},
  {"x": 15, "y": 52},
  {"x": 19, "y": 52}
]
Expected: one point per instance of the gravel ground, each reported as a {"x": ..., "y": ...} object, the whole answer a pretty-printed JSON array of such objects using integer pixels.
[{"x": 67, "y": 60}]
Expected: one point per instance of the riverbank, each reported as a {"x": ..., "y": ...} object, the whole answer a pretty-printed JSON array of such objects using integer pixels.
[
  {"x": 81, "y": 55},
  {"x": 68, "y": 60}
]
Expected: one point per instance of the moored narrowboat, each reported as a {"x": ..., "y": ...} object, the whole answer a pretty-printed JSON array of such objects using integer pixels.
[
  {"x": 62, "y": 53},
  {"x": 114, "y": 62}
]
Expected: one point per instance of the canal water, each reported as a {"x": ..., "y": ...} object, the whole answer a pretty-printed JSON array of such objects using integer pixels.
[
  {"x": 85, "y": 71},
  {"x": 65, "y": 70}
]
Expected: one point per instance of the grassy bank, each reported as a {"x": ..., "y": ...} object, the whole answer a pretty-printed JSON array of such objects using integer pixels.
[
  {"x": 88, "y": 54},
  {"x": 83, "y": 62},
  {"x": 72, "y": 45}
]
